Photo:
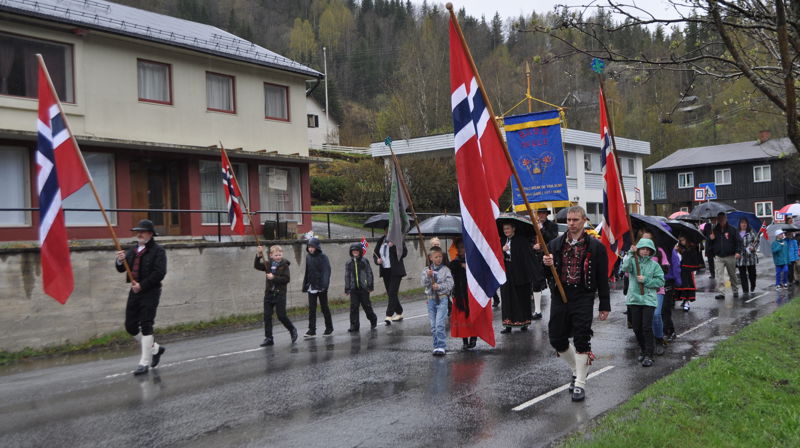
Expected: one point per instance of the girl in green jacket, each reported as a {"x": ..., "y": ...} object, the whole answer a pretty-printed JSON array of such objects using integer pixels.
[{"x": 641, "y": 304}]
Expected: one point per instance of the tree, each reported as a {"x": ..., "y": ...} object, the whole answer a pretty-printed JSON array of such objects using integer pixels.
[{"x": 302, "y": 43}]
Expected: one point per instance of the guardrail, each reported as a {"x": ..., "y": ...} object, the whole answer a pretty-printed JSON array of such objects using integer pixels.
[{"x": 342, "y": 149}]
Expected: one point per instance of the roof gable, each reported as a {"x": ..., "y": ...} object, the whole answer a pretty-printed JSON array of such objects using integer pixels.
[{"x": 728, "y": 153}]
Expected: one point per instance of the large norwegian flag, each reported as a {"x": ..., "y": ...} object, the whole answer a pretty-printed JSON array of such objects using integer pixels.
[
  {"x": 232, "y": 194},
  {"x": 615, "y": 219},
  {"x": 60, "y": 172},
  {"x": 483, "y": 174}
]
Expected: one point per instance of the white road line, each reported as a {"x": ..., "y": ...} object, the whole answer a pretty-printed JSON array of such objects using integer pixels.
[
  {"x": 697, "y": 326},
  {"x": 414, "y": 317},
  {"x": 530, "y": 403},
  {"x": 187, "y": 361},
  {"x": 756, "y": 297}
]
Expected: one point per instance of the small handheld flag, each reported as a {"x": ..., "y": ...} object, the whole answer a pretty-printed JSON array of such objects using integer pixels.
[{"x": 364, "y": 246}]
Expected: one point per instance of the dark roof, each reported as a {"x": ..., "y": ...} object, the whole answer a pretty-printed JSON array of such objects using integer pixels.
[
  {"x": 138, "y": 23},
  {"x": 731, "y": 152}
]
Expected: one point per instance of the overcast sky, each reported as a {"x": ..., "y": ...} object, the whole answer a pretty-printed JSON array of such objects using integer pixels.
[{"x": 513, "y": 8}]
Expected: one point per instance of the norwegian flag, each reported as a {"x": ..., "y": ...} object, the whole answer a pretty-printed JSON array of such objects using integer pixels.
[
  {"x": 364, "y": 246},
  {"x": 232, "y": 194},
  {"x": 60, "y": 171},
  {"x": 615, "y": 220},
  {"x": 763, "y": 230},
  {"x": 483, "y": 174}
]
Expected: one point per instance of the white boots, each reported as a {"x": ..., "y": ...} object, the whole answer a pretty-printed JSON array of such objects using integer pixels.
[
  {"x": 150, "y": 352},
  {"x": 579, "y": 364}
]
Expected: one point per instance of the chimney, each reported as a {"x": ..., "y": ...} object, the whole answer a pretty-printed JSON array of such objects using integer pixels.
[{"x": 764, "y": 135}]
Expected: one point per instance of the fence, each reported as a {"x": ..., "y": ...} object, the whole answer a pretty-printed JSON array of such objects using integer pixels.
[{"x": 276, "y": 224}]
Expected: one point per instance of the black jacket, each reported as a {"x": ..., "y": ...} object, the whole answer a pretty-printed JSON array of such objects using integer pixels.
[
  {"x": 318, "y": 269},
  {"x": 726, "y": 242},
  {"x": 595, "y": 280},
  {"x": 549, "y": 231},
  {"x": 521, "y": 269},
  {"x": 281, "y": 275},
  {"x": 398, "y": 269},
  {"x": 459, "y": 292},
  {"x": 365, "y": 280},
  {"x": 152, "y": 266}
]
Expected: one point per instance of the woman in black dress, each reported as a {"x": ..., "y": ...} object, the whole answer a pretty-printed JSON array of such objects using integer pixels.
[
  {"x": 691, "y": 262},
  {"x": 516, "y": 291}
]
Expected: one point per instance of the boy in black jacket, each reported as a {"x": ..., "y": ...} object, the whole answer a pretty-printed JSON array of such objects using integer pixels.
[
  {"x": 358, "y": 283},
  {"x": 277, "y": 270},
  {"x": 315, "y": 283}
]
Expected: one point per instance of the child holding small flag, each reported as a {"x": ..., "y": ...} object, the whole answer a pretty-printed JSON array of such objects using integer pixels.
[
  {"x": 358, "y": 283},
  {"x": 438, "y": 283},
  {"x": 277, "y": 270}
]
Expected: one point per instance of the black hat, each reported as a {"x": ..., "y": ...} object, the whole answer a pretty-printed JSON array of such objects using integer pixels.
[
  {"x": 145, "y": 225},
  {"x": 543, "y": 210}
]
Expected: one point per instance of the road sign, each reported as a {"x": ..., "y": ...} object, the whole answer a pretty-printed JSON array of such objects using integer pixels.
[
  {"x": 699, "y": 194},
  {"x": 711, "y": 190},
  {"x": 780, "y": 217}
]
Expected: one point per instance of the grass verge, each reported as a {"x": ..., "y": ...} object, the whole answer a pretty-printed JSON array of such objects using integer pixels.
[
  {"x": 121, "y": 339},
  {"x": 344, "y": 220},
  {"x": 745, "y": 393}
]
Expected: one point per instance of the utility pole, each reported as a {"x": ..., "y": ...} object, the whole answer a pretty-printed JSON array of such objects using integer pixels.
[
  {"x": 528, "y": 79},
  {"x": 325, "y": 68}
]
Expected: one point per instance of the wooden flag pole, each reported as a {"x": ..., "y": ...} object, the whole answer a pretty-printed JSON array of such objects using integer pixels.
[
  {"x": 85, "y": 168},
  {"x": 619, "y": 179},
  {"x": 244, "y": 202},
  {"x": 402, "y": 180},
  {"x": 489, "y": 107}
]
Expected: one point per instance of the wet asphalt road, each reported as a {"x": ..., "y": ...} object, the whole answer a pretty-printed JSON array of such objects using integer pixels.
[{"x": 376, "y": 389}]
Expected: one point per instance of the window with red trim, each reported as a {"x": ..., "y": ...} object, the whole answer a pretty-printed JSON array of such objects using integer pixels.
[
  {"x": 220, "y": 92},
  {"x": 276, "y": 102},
  {"x": 155, "y": 81}
]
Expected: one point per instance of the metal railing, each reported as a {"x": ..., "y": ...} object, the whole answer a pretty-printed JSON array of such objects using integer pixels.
[{"x": 220, "y": 213}]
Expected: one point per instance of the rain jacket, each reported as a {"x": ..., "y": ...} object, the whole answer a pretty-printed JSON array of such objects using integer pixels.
[
  {"x": 318, "y": 269},
  {"x": 357, "y": 272},
  {"x": 792, "y": 244},
  {"x": 780, "y": 252},
  {"x": 441, "y": 276},
  {"x": 653, "y": 277},
  {"x": 281, "y": 275}
]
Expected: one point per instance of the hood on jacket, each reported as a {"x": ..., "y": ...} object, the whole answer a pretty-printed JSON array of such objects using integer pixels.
[
  {"x": 314, "y": 242},
  {"x": 648, "y": 243},
  {"x": 356, "y": 246}
]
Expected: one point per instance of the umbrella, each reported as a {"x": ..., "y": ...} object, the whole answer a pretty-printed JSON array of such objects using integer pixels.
[
  {"x": 380, "y": 221},
  {"x": 661, "y": 236},
  {"x": 676, "y": 214},
  {"x": 687, "y": 230},
  {"x": 792, "y": 209},
  {"x": 441, "y": 225},
  {"x": 689, "y": 218},
  {"x": 523, "y": 224},
  {"x": 708, "y": 210},
  {"x": 561, "y": 216},
  {"x": 752, "y": 220}
]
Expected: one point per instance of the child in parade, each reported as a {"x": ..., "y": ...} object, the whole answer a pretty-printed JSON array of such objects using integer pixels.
[
  {"x": 791, "y": 243},
  {"x": 780, "y": 255},
  {"x": 460, "y": 326},
  {"x": 277, "y": 270},
  {"x": 642, "y": 306},
  {"x": 315, "y": 283},
  {"x": 691, "y": 262},
  {"x": 438, "y": 283},
  {"x": 358, "y": 283},
  {"x": 672, "y": 280}
]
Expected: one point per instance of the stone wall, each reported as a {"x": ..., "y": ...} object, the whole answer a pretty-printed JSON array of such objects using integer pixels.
[{"x": 204, "y": 281}]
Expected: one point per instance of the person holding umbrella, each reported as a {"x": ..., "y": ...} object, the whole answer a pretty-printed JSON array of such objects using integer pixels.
[
  {"x": 749, "y": 259},
  {"x": 727, "y": 248},
  {"x": 516, "y": 291}
]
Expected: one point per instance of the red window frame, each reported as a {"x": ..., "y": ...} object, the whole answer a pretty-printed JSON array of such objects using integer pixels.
[
  {"x": 55, "y": 42},
  {"x": 288, "y": 108},
  {"x": 169, "y": 75},
  {"x": 233, "y": 92}
]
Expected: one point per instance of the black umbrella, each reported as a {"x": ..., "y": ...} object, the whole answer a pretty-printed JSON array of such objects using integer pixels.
[
  {"x": 708, "y": 210},
  {"x": 687, "y": 230},
  {"x": 561, "y": 216},
  {"x": 380, "y": 221},
  {"x": 661, "y": 236},
  {"x": 442, "y": 225},
  {"x": 689, "y": 218},
  {"x": 522, "y": 224}
]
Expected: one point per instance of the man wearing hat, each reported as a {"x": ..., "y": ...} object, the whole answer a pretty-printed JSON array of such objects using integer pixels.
[
  {"x": 726, "y": 245},
  {"x": 549, "y": 228},
  {"x": 148, "y": 263}
]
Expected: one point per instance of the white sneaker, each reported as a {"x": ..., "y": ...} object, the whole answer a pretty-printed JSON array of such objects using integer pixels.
[
  {"x": 439, "y": 352},
  {"x": 397, "y": 317}
]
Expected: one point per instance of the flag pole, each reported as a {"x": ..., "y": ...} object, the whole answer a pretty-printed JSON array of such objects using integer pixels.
[
  {"x": 401, "y": 178},
  {"x": 85, "y": 168},
  {"x": 619, "y": 179},
  {"x": 244, "y": 202},
  {"x": 534, "y": 221}
]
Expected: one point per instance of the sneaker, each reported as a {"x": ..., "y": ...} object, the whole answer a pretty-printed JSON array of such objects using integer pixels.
[
  {"x": 439, "y": 352},
  {"x": 640, "y": 358},
  {"x": 686, "y": 307},
  {"x": 578, "y": 394},
  {"x": 736, "y": 294},
  {"x": 785, "y": 286},
  {"x": 473, "y": 341},
  {"x": 537, "y": 316},
  {"x": 388, "y": 321},
  {"x": 327, "y": 332},
  {"x": 397, "y": 317},
  {"x": 720, "y": 296},
  {"x": 293, "y": 334},
  {"x": 267, "y": 342},
  {"x": 141, "y": 370},
  {"x": 672, "y": 336},
  {"x": 310, "y": 333},
  {"x": 506, "y": 330},
  {"x": 157, "y": 356},
  {"x": 659, "y": 349},
  {"x": 647, "y": 362},
  {"x": 373, "y": 324},
  {"x": 778, "y": 287},
  {"x": 352, "y": 330},
  {"x": 572, "y": 384}
]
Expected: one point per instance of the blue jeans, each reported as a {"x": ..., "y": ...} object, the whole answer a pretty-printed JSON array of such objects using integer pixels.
[
  {"x": 437, "y": 313},
  {"x": 658, "y": 323},
  {"x": 781, "y": 274}
]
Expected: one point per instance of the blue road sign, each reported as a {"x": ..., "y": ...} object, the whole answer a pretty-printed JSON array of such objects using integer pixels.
[{"x": 711, "y": 190}]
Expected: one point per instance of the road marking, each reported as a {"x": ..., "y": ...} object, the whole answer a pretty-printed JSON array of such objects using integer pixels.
[
  {"x": 756, "y": 297},
  {"x": 187, "y": 361},
  {"x": 414, "y": 317},
  {"x": 532, "y": 402},
  {"x": 697, "y": 326}
]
